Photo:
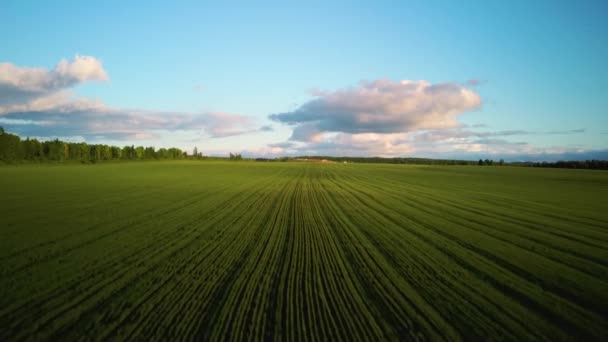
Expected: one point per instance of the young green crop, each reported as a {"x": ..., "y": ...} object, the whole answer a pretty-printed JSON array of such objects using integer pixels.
[{"x": 302, "y": 251}]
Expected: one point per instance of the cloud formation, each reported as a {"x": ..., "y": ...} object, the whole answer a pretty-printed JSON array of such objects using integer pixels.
[
  {"x": 381, "y": 106},
  {"x": 407, "y": 118},
  {"x": 39, "y": 102},
  {"x": 457, "y": 142},
  {"x": 116, "y": 124},
  {"x": 20, "y": 85},
  {"x": 375, "y": 118}
]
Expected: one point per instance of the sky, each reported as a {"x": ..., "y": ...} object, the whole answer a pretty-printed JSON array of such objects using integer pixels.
[{"x": 517, "y": 80}]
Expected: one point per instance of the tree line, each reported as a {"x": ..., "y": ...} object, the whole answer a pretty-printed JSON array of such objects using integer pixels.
[
  {"x": 569, "y": 164},
  {"x": 490, "y": 162},
  {"x": 593, "y": 164},
  {"x": 398, "y": 160},
  {"x": 13, "y": 148},
  {"x": 235, "y": 156}
]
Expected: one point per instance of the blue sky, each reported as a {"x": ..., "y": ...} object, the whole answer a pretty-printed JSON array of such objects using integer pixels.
[{"x": 220, "y": 76}]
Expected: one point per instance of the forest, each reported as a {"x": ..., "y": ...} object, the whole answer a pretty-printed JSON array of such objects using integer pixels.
[{"x": 13, "y": 148}]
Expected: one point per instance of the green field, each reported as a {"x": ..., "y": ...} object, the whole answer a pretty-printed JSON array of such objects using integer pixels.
[{"x": 245, "y": 250}]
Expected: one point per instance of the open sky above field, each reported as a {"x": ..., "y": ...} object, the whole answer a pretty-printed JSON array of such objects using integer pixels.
[{"x": 518, "y": 80}]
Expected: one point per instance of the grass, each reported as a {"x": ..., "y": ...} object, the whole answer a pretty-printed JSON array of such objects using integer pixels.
[{"x": 210, "y": 250}]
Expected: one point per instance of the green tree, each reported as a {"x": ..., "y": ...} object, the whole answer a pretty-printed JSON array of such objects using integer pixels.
[
  {"x": 139, "y": 152},
  {"x": 149, "y": 153},
  {"x": 95, "y": 152},
  {"x": 10, "y": 147},
  {"x": 32, "y": 149},
  {"x": 56, "y": 150},
  {"x": 175, "y": 153},
  {"x": 106, "y": 152},
  {"x": 116, "y": 152},
  {"x": 162, "y": 153},
  {"x": 84, "y": 152},
  {"x": 128, "y": 152}
]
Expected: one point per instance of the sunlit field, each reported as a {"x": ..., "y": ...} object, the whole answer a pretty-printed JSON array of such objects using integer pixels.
[{"x": 319, "y": 251}]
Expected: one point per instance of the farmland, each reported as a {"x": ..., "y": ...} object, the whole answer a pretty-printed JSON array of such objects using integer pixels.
[{"x": 245, "y": 250}]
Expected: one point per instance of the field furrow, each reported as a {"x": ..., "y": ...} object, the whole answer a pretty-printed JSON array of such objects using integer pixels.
[{"x": 302, "y": 251}]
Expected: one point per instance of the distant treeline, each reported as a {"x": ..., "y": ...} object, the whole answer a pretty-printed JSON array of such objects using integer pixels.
[
  {"x": 593, "y": 164},
  {"x": 380, "y": 160},
  {"x": 13, "y": 148},
  {"x": 575, "y": 164}
]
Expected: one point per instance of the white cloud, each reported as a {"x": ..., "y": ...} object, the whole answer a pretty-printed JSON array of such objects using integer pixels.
[
  {"x": 62, "y": 101},
  {"x": 407, "y": 118},
  {"x": 380, "y": 117},
  {"x": 39, "y": 102},
  {"x": 377, "y": 118},
  {"x": 437, "y": 143},
  {"x": 381, "y": 106},
  {"x": 22, "y": 85},
  {"x": 81, "y": 69},
  {"x": 117, "y": 124}
]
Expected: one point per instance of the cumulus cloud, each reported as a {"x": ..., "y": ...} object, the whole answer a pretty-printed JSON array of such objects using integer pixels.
[
  {"x": 38, "y": 102},
  {"x": 81, "y": 69},
  {"x": 382, "y": 117},
  {"x": 19, "y": 85},
  {"x": 381, "y": 106},
  {"x": 376, "y": 118},
  {"x": 306, "y": 132},
  {"x": 387, "y": 118}
]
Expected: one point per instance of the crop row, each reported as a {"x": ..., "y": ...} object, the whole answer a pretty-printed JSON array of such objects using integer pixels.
[{"x": 296, "y": 251}]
